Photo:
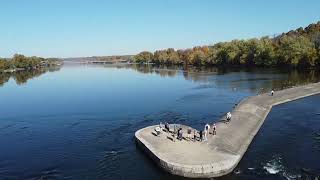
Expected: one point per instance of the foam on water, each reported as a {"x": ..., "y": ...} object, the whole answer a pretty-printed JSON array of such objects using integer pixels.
[
  {"x": 237, "y": 171},
  {"x": 274, "y": 166},
  {"x": 290, "y": 176}
]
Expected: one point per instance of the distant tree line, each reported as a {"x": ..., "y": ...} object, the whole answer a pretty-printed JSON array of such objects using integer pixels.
[
  {"x": 112, "y": 58},
  {"x": 297, "y": 48},
  {"x": 19, "y": 61}
]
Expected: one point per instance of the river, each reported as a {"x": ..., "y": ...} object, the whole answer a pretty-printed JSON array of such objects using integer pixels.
[{"x": 78, "y": 122}]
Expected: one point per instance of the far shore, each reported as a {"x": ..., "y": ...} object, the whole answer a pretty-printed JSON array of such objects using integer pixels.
[{"x": 12, "y": 70}]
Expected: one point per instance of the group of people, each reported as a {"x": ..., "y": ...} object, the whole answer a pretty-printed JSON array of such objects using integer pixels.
[
  {"x": 178, "y": 133},
  {"x": 203, "y": 134},
  {"x": 206, "y": 131}
]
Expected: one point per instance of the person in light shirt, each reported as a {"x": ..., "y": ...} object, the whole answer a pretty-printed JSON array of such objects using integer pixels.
[
  {"x": 206, "y": 131},
  {"x": 229, "y": 116}
]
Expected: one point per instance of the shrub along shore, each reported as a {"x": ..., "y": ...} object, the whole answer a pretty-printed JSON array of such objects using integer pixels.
[
  {"x": 21, "y": 62},
  {"x": 296, "y": 48}
]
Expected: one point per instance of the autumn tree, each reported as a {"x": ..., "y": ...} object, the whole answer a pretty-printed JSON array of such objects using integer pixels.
[{"x": 300, "y": 47}]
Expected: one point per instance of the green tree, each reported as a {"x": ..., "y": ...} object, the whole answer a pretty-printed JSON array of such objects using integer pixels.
[
  {"x": 265, "y": 52},
  {"x": 161, "y": 57},
  {"x": 212, "y": 56},
  {"x": 4, "y": 64},
  {"x": 143, "y": 57},
  {"x": 198, "y": 58},
  {"x": 21, "y": 61},
  {"x": 315, "y": 38},
  {"x": 173, "y": 57},
  {"x": 296, "y": 50},
  {"x": 228, "y": 53}
]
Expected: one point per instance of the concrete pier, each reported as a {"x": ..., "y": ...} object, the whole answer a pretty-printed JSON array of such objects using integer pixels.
[{"x": 221, "y": 153}]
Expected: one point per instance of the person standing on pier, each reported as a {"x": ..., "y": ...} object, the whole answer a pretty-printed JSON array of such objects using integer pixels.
[
  {"x": 206, "y": 131},
  {"x": 214, "y": 127},
  {"x": 229, "y": 117}
]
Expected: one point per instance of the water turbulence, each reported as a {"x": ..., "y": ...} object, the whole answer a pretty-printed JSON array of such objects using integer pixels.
[{"x": 274, "y": 166}]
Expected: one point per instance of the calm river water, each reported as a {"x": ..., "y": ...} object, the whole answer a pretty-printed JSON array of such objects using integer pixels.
[{"x": 78, "y": 122}]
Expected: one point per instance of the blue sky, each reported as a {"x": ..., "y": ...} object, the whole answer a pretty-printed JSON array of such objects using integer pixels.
[{"x": 73, "y": 28}]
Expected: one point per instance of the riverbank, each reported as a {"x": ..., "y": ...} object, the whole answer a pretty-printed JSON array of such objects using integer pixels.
[
  {"x": 20, "y": 62},
  {"x": 221, "y": 153},
  {"x": 296, "y": 48},
  {"x": 12, "y": 70}
]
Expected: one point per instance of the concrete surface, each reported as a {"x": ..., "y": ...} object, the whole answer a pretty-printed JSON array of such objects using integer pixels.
[{"x": 222, "y": 152}]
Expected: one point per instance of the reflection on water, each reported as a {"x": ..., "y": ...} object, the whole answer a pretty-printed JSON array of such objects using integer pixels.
[
  {"x": 79, "y": 122},
  {"x": 4, "y": 77},
  {"x": 238, "y": 77},
  {"x": 267, "y": 78},
  {"x": 21, "y": 77}
]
